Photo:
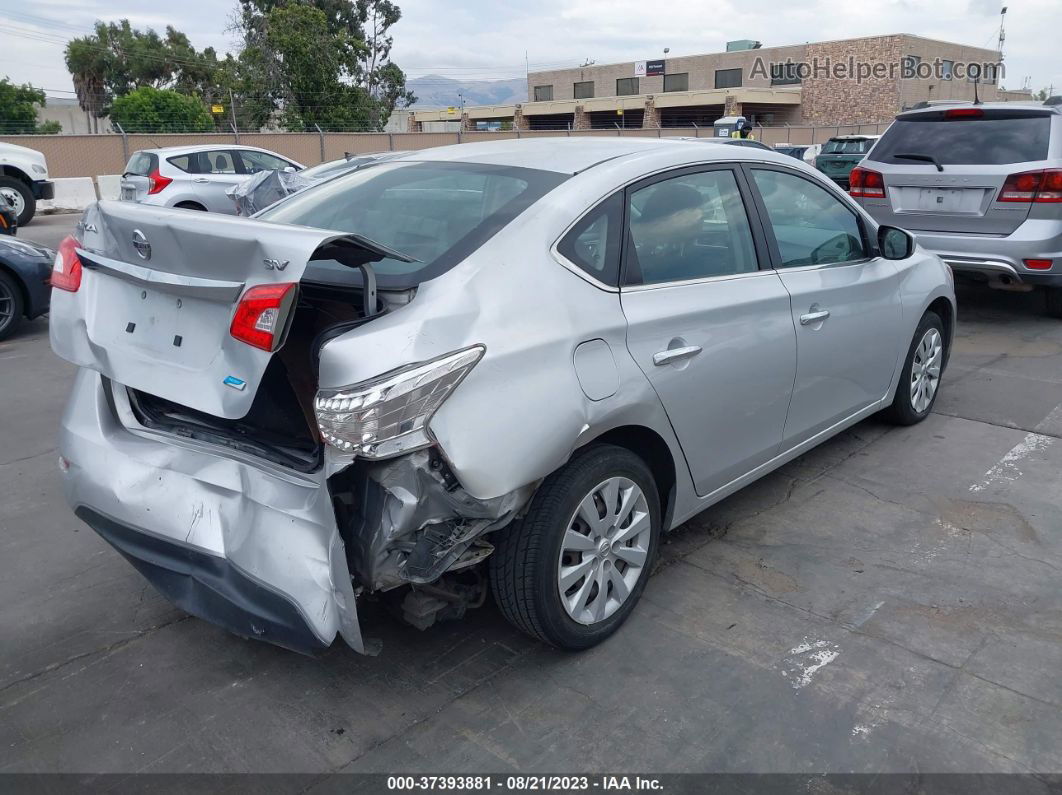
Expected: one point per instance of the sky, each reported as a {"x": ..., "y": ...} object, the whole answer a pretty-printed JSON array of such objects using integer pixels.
[{"x": 480, "y": 39}]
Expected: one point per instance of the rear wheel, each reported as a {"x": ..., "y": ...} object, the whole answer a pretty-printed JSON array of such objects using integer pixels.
[
  {"x": 11, "y": 307},
  {"x": 21, "y": 197},
  {"x": 570, "y": 572},
  {"x": 190, "y": 206},
  {"x": 920, "y": 378},
  {"x": 1054, "y": 301}
]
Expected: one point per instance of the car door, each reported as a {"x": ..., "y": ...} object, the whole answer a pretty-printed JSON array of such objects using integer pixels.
[
  {"x": 709, "y": 322},
  {"x": 845, "y": 299},
  {"x": 219, "y": 170}
]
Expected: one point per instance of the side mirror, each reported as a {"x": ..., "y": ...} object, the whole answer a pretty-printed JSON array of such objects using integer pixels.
[{"x": 895, "y": 243}]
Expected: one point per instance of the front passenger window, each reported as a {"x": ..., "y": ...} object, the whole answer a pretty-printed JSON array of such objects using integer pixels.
[{"x": 811, "y": 226}]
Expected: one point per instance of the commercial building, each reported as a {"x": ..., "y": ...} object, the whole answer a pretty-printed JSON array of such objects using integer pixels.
[{"x": 851, "y": 81}]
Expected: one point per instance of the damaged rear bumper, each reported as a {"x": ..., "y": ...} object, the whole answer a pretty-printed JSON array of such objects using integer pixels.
[{"x": 251, "y": 547}]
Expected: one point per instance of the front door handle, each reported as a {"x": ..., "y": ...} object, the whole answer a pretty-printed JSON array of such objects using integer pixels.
[
  {"x": 814, "y": 316},
  {"x": 201, "y": 180},
  {"x": 674, "y": 354}
]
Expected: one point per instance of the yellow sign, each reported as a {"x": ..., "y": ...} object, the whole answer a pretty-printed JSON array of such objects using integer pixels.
[
  {"x": 619, "y": 112},
  {"x": 217, "y": 108},
  {"x": 451, "y": 110}
]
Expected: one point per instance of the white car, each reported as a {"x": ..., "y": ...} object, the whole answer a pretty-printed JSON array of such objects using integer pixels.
[
  {"x": 195, "y": 177},
  {"x": 24, "y": 180}
]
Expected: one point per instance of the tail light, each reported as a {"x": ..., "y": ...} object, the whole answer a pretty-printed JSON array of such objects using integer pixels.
[
  {"x": 262, "y": 314},
  {"x": 1033, "y": 186},
  {"x": 1038, "y": 264},
  {"x": 66, "y": 271},
  {"x": 866, "y": 184},
  {"x": 964, "y": 113},
  {"x": 156, "y": 182}
]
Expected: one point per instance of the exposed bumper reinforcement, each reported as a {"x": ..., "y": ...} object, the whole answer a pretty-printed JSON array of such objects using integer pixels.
[{"x": 208, "y": 587}]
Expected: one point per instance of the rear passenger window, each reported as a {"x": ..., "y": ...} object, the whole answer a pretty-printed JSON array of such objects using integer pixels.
[
  {"x": 810, "y": 224},
  {"x": 186, "y": 163},
  {"x": 217, "y": 162},
  {"x": 593, "y": 243},
  {"x": 689, "y": 227}
]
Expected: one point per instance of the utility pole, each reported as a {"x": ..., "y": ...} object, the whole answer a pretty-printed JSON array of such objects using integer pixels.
[{"x": 232, "y": 110}]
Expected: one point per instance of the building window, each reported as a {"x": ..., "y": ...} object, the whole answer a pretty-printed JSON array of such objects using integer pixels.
[
  {"x": 727, "y": 78},
  {"x": 543, "y": 93},
  {"x": 785, "y": 74},
  {"x": 584, "y": 90},
  {"x": 626, "y": 86},
  {"x": 910, "y": 66},
  {"x": 679, "y": 82},
  {"x": 947, "y": 69}
]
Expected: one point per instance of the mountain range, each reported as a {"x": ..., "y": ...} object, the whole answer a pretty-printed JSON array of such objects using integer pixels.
[{"x": 436, "y": 91}]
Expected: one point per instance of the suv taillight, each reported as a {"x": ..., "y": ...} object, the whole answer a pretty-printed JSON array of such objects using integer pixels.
[
  {"x": 261, "y": 315},
  {"x": 866, "y": 184},
  {"x": 66, "y": 271},
  {"x": 1033, "y": 186},
  {"x": 156, "y": 182}
]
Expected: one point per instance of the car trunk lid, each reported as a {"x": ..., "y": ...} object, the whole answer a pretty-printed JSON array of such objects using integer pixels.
[{"x": 160, "y": 289}]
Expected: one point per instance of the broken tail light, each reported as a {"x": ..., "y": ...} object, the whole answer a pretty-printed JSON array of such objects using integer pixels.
[
  {"x": 866, "y": 184},
  {"x": 389, "y": 415},
  {"x": 1033, "y": 186},
  {"x": 156, "y": 182},
  {"x": 66, "y": 270},
  {"x": 262, "y": 314}
]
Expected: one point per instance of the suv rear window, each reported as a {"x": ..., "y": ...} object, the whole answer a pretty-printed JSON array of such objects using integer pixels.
[
  {"x": 994, "y": 140},
  {"x": 141, "y": 164},
  {"x": 843, "y": 147},
  {"x": 437, "y": 212}
]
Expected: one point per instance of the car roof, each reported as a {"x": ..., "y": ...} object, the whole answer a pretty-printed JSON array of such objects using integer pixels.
[
  {"x": 564, "y": 155},
  {"x": 946, "y": 106},
  {"x": 173, "y": 150}
]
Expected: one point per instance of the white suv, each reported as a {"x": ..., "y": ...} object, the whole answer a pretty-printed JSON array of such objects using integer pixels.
[{"x": 195, "y": 177}]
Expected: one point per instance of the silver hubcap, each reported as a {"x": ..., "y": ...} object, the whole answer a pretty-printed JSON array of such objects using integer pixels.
[
  {"x": 925, "y": 370},
  {"x": 7, "y": 307},
  {"x": 18, "y": 205},
  {"x": 605, "y": 547}
]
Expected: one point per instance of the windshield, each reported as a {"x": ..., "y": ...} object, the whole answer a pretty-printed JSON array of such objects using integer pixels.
[
  {"x": 438, "y": 213},
  {"x": 982, "y": 142},
  {"x": 859, "y": 146}
]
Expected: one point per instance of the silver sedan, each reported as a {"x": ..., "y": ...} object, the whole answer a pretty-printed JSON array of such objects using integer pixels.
[{"x": 509, "y": 366}]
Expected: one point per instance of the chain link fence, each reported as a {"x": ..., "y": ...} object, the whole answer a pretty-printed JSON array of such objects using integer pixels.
[{"x": 91, "y": 155}]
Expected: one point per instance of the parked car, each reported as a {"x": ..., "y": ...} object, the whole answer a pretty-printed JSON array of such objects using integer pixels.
[
  {"x": 748, "y": 142},
  {"x": 981, "y": 185},
  {"x": 419, "y": 378},
  {"x": 24, "y": 179},
  {"x": 805, "y": 152},
  {"x": 195, "y": 177},
  {"x": 25, "y": 269},
  {"x": 841, "y": 154},
  {"x": 260, "y": 190}
]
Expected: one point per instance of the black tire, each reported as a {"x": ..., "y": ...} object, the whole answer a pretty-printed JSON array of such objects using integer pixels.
[
  {"x": 1054, "y": 301},
  {"x": 11, "y": 305},
  {"x": 902, "y": 411},
  {"x": 29, "y": 204},
  {"x": 524, "y": 566}
]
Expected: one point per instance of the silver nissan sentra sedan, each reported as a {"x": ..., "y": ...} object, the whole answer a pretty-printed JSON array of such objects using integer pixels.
[{"x": 505, "y": 366}]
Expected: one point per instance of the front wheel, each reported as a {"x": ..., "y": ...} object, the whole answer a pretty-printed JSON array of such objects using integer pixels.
[
  {"x": 920, "y": 378},
  {"x": 570, "y": 572},
  {"x": 11, "y": 308}
]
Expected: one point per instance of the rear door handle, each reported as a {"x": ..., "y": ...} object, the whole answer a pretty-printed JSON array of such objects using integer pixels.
[
  {"x": 674, "y": 354},
  {"x": 814, "y": 316}
]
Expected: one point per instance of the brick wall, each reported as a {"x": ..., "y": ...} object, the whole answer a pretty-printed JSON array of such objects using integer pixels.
[{"x": 826, "y": 99}]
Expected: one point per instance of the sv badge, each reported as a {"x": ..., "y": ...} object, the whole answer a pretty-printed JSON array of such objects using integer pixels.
[{"x": 276, "y": 264}]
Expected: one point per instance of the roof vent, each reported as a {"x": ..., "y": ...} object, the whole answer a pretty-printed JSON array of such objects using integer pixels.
[{"x": 742, "y": 44}]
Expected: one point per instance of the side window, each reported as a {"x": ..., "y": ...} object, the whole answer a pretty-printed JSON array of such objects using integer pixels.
[
  {"x": 593, "y": 244},
  {"x": 186, "y": 163},
  {"x": 811, "y": 226},
  {"x": 217, "y": 161},
  {"x": 689, "y": 227},
  {"x": 253, "y": 162}
]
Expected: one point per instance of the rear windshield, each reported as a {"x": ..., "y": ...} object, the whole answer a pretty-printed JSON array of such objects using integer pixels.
[
  {"x": 991, "y": 141},
  {"x": 438, "y": 213},
  {"x": 141, "y": 164},
  {"x": 856, "y": 147}
]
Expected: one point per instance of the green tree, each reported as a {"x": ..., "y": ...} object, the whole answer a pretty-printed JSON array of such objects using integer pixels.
[
  {"x": 152, "y": 110},
  {"x": 18, "y": 110},
  {"x": 382, "y": 80},
  {"x": 117, "y": 59}
]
